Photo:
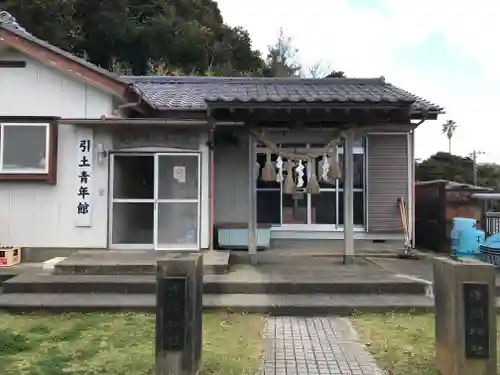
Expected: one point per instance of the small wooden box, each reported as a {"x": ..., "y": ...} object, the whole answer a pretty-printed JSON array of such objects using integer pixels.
[{"x": 10, "y": 256}]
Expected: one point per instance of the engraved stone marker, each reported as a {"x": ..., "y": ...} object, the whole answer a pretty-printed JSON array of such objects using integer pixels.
[
  {"x": 465, "y": 320},
  {"x": 179, "y": 305}
]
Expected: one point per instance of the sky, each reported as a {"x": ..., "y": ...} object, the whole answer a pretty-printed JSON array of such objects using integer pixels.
[{"x": 443, "y": 50}]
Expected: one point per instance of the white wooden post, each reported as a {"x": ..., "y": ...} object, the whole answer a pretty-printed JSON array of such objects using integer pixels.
[
  {"x": 349, "y": 198},
  {"x": 252, "y": 202}
]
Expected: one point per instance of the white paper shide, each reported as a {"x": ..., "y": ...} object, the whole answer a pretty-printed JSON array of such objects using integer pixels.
[{"x": 84, "y": 160}]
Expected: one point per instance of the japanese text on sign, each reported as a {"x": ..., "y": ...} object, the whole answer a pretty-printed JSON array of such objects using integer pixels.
[
  {"x": 180, "y": 174},
  {"x": 476, "y": 324},
  {"x": 83, "y": 209}
]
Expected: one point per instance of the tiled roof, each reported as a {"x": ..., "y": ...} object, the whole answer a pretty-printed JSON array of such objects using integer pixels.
[
  {"x": 195, "y": 92},
  {"x": 9, "y": 23}
]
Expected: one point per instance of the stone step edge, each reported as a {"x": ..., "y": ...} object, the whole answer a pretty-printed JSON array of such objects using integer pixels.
[
  {"x": 117, "y": 284},
  {"x": 64, "y": 269},
  {"x": 249, "y": 303},
  {"x": 48, "y": 278}
]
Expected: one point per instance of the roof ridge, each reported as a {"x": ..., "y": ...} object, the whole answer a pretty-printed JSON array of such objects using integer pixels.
[
  {"x": 250, "y": 80},
  {"x": 417, "y": 97}
]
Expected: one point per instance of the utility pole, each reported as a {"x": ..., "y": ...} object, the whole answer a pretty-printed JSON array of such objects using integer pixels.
[{"x": 474, "y": 155}]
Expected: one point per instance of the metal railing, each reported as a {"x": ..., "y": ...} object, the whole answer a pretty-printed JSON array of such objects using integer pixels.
[{"x": 492, "y": 223}]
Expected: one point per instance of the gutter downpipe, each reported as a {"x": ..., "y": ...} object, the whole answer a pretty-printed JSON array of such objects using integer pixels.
[
  {"x": 142, "y": 121},
  {"x": 132, "y": 121},
  {"x": 128, "y": 105},
  {"x": 413, "y": 197},
  {"x": 211, "y": 171},
  {"x": 136, "y": 104}
]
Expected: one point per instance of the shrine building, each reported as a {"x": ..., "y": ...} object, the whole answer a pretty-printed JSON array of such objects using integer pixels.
[{"x": 91, "y": 160}]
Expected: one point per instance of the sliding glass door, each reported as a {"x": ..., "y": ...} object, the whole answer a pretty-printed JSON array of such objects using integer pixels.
[
  {"x": 177, "y": 198},
  {"x": 132, "y": 201},
  {"x": 155, "y": 201}
]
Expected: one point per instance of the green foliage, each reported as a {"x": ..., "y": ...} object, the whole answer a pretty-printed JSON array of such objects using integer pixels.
[
  {"x": 281, "y": 58},
  {"x": 445, "y": 166},
  {"x": 456, "y": 168},
  {"x": 336, "y": 74},
  {"x": 449, "y": 128},
  {"x": 157, "y": 37},
  {"x": 13, "y": 343},
  {"x": 186, "y": 35},
  {"x": 120, "y": 344},
  {"x": 488, "y": 175}
]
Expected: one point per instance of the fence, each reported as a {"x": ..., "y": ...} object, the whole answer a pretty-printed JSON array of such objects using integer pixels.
[{"x": 492, "y": 223}]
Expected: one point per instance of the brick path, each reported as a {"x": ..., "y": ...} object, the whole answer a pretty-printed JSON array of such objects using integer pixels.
[{"x": 315, "y": 346}]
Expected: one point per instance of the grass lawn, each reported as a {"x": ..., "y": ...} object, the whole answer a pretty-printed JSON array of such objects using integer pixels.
[
  {"x": 402, "y": 344},
  {"x": 116, "y": 344}
]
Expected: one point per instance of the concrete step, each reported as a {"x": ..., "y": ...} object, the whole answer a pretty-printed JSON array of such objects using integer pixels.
[
  {"x": 282, "y": 304},
  {"x": 213, "y": 284},
  {"x": 132, "y": 262},
  {"x": 295, "y": 257},
  {"x": 7, "y": 273}
]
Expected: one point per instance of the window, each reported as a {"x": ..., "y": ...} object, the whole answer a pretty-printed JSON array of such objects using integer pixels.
[
  {"x": 27, "y": 151},
  {"x": 326, "y": 208},
  {"x": 268, "y": 196}
]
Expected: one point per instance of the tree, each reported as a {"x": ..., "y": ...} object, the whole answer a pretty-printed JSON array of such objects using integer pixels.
[
  {"x": 488, "y": 175},
  {"x": 187, "y": 35},
  {"x": 336, "y": 74},
  {"x": 445, "y": 166},
  {"x": 318, "y": 70},
  {"x": 281, "y": 58},
  {"x": 449, "y": 128},
  {"x": 450, "y": 167}
]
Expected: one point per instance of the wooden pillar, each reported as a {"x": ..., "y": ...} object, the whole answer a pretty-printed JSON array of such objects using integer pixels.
[
  {"x": 349, "y": 198},
  {"x": 252, "y": 202}
]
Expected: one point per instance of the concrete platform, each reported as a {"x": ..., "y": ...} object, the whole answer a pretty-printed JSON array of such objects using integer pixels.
[
  {"x": 133, "y": 262},
  {"x": 298, "y": 285},
  {"x": 421, "y": 269},
  {"x": 241, "y": 279}
]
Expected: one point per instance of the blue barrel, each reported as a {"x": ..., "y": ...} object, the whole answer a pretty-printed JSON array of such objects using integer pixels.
[
  {"x": 469, "y": 242},
  {"x": 458, "y": 225}
]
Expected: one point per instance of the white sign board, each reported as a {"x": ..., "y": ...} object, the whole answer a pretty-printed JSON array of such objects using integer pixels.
[
  {"x": 180, "y": 174},
  {"x": 84, "y": 162}
]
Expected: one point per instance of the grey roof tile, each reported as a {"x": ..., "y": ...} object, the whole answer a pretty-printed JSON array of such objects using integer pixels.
[
  {"x": 195, "y": 92},
  {"x": 9, "y": 23},
  {"x": 192, "y": 92}
]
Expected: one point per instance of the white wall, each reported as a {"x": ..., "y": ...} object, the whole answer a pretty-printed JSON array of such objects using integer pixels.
[{"x": 38, "y": 214}]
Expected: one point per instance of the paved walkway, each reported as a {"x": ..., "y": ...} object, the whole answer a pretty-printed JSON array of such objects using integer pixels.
[{"x": 315, "y": 346}]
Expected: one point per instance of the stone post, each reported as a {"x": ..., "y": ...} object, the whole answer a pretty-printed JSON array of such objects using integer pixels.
[
  {"x": 465, "y": 319},
  {"x": 179, "y": 305}
]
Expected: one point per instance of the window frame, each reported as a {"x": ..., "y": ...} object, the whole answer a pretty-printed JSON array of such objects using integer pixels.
[
  {"x": 49, "y": 175},
  {"x": 358, "y": 149}
]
